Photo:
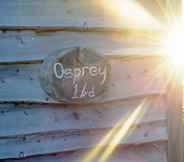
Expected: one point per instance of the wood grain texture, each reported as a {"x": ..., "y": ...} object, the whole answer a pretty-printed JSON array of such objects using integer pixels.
[
  {"x": 54, "y": 142},
  {"x": 82, "y": 14},
  {"x": 29, "y": 128},
  {"x": 45, "y": 129},
  {"x": 30, "y": 46},
  {"x": 139, "y": 77},
  {"x": 27, "y": 119},
  {"x": 154, "y": 152}
]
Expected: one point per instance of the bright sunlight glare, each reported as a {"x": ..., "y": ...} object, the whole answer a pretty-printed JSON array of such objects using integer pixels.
[
  {"x": 132, "y": 14},
  {"x": 175, "y": 46},
  {"x": 121, "y": 130},
  {"x": 123, "y": 9},
  {"x": 174, "y": 42}
]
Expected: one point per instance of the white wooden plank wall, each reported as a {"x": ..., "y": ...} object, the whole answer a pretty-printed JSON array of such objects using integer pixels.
[
  {"x": 34, "y": 127},
  {"x": 154, "y": 152},
  {"x": 32, "y": 46},
  {"x": 48, "y": 129},
  {"x": 69, "y": 14},
  {"x": 133, "y": 78}
]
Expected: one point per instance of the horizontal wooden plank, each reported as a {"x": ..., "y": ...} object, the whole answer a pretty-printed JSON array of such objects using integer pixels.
[
  {"x": 31, "y": 46},
  {"x": 30, "y": 119},
  {"x": 92, "y": 14},
  {"x": 154, "y": 152},
  {"x": 62, "y": 141},
  {"x": 139, "y": 77}
]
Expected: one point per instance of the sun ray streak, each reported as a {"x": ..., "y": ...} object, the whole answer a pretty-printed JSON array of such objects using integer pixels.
[
  {"x": 121, "y": 9},
  {"x": 120, "y": 129},
  {"x": 98, "y": 148},
  {"x": 123, "y": 131},
  {"x": 163, "y": 9},
  {"x": 170, "y": 9},
  {"x": 125, "y": 126}
]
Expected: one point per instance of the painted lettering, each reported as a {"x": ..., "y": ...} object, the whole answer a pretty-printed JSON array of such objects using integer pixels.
[
  {"x": 76, "y": 73},
  {"x": 58, "y": 70}
]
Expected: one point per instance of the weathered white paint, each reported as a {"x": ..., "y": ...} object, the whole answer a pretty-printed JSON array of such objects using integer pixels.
[
  {"x": 63, "y": 14},
  {"x": 27, "y": 130},
  {"x": 27, "y": 119},
  {"x": 44, "y": 129},
  {"x": 153, "y": 152},
  {"x": 30, "y": 46},
  {"x": 139, "y": 77},
  {"x": 62, "y": 141}
]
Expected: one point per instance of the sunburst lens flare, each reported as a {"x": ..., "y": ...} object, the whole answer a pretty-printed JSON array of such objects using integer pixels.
[
  {"x": 174, "y": 42},
  {"x": 174, "y": 45},
  {"x": 122, "y": 129},
  {"x": 131, "y": 14}
]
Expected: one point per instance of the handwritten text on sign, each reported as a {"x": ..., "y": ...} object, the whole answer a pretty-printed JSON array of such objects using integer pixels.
[{"x": 75, "y": 74}]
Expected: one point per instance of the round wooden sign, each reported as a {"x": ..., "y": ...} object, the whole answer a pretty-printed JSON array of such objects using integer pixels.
[{"x": 75, "y": 74}]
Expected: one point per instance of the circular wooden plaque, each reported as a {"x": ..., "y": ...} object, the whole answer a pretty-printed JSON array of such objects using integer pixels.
[{"x": 75, "y": 75}]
